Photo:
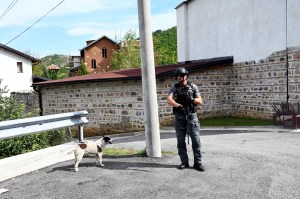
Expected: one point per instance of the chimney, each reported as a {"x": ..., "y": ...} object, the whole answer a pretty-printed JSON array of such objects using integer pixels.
[{"x": 89, "y": 41}]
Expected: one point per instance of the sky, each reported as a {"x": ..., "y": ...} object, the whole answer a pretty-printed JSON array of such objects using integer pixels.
[{"x": 71, "y": 23}]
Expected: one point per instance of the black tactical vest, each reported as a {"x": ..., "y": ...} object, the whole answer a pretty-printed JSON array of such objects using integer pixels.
[{"x": 180, "y": 96}]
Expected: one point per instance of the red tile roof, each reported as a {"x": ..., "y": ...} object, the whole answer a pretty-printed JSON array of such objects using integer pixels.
[
  {"x": 53, "y": 67},
  {"x": 160, "y": 71},
  {"x": 91, "y": 42}
]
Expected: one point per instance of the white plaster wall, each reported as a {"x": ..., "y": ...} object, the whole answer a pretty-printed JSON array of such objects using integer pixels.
[
  {"x": 8, "y": 72},
  {"x": 181, "y": 34},
  {"x": 245, "y": 29}
]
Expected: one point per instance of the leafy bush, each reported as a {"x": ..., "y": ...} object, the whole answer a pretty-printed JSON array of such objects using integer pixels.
[
  {"x": 10, "y": 110},
  {"x": 56, "y": 137},
  {"x": 19, "y": 145}
]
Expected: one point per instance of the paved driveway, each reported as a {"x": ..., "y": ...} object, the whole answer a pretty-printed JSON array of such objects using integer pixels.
[{"x": 239, "y": 164}]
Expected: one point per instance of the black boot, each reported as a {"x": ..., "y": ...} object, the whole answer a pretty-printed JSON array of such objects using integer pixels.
[
  {"x": 183, "y": 166},
  {"x": 199, "y": 167}
]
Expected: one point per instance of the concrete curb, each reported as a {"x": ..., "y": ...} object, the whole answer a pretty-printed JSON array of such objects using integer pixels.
[{"x": 28, "y": 162}]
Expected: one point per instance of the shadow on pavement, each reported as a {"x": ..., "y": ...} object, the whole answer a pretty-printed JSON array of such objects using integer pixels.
[
  {"x": 131, "y": 164},
  {"x": 168, "y": 135}
]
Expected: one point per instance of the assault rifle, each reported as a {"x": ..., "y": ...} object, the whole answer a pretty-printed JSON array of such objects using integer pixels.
[{"x": 187, "y": 113}]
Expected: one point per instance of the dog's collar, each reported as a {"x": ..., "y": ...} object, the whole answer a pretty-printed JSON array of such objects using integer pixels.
[{"x": 99, "y": 149}]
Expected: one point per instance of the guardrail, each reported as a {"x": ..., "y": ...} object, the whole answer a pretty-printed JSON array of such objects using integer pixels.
[{"x": 20, "y": 127}]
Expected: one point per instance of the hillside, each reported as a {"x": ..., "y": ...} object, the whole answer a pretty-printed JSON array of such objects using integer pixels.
[{"x": 59, "y": 60}]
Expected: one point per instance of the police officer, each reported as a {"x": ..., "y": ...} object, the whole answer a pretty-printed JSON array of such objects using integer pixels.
[{"x": 184, "y": 97}]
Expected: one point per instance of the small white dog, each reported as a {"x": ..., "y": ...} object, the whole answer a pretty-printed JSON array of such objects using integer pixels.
[{"x": 91, "y": 147}]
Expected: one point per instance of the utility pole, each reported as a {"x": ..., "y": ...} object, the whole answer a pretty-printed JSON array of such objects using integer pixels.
[
  {"x": 286, "y": 51},
  {"x": 152, "y": 134}
]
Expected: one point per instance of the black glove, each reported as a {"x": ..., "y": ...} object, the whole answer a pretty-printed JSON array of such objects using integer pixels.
[{"x": 180, "y": 108}]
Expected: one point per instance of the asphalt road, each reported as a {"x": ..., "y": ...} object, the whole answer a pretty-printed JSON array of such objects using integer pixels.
[{"x": 239, "y": 164}]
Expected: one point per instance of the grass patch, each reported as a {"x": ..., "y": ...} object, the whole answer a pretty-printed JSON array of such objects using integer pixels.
[
  {"x": 235, "y": 121},
  {"x": 217, "y": 121},
  {"x": 130, "y": 152}
]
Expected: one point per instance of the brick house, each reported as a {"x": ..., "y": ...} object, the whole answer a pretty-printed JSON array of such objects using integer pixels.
[{"x": 97, "y": 54}]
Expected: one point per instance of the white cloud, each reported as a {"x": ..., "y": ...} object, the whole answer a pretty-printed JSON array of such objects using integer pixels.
[
  {"x": 25, "y": 12},
  {"x": 160, "y": 21},
  {"x": 164, "y": 20},
  {"x": 118, "y": 4}
]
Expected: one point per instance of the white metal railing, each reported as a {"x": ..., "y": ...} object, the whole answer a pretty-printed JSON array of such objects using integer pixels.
[{"x": 20, "y": 127}]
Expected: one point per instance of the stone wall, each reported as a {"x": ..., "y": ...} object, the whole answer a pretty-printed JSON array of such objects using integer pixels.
[
  {"x": 242, "y": 89},
  {"x": 255, "y": 85},
  {"x": 30, "y": 98},
  {"x": 117, "y": 106},
  {"x": 112, "y": 106}
]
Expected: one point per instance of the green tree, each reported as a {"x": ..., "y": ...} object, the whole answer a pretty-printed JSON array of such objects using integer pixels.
[
  {"x": 50, "y": 74},
  {"x": 37, "y": 70},
  {"x": 165, "y": 50},
  {"x": 63, "y": 72},
  {"x": 82, "y": 69},
  {"x": 128, "y": 56},
  {"x": 165, "y": 46}
]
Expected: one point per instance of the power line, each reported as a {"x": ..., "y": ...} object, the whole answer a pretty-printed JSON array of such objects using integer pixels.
[
  {"x": 35, "y": 22},
  {"x": 12, "y": 4}
]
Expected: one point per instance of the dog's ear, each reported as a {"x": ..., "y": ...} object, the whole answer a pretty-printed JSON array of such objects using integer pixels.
[
  {"x": 82, "y": 145},
  {"x": 107, "y": 139}
]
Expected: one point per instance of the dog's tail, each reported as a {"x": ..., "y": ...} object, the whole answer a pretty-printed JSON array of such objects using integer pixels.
[
  {"x": 71, "y": 151},
  {"x": 74, "y": 149}
]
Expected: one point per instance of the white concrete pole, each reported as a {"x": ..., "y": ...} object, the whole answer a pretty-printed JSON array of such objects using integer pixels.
[{"x": 152, "y": 133}]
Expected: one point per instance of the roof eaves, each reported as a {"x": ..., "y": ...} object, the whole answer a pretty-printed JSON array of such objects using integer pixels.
[
  {"x": 90, "y": 44},
  {"x": 198, "y": 64},
  {"x": 19, "y": 53},
  {"x": 43, "y": 84},
  {"x": 166, "y": 70}
]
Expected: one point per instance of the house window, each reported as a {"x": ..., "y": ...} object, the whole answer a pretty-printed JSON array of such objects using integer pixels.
[
  {"x": 19, "y": 67},
  {"x": 94, "y": 63},
  {"x": 104, "y": 52}
]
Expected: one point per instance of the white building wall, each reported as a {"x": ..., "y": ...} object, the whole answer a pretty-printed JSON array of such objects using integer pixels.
[
  {"x": 8, "y": 72},
  {"x": 245, "y": 29}
]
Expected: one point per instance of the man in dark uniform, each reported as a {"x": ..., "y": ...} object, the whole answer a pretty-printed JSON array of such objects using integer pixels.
[{"x": 184, "y": 97}]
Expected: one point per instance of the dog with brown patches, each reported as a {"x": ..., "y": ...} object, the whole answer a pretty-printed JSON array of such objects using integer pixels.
[{"x": 90, "y": 147}]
